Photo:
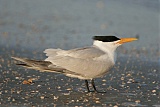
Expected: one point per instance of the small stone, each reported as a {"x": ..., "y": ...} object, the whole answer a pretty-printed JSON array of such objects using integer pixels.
[
  {"x": 142, "y": 76},
  {"x": 30, "y": 80},
  {"x": 42, "y": 97},
  {"x": 13, "y": 99},
  {"x": 97, "y": 98},
  {"x": 153, "y": 91},
  {"x": 98, "y": 102},
  {"x": 18, "y": 92},
  {"x": 85, "y": 100},
  {"x": 6, "y": 91},
  {"x": 26, "y": 82},
  {"x": 154, "y": 82},
  {"x": 104, "y": 84},
  {"x": 16, "y": 77},
  {"x": 128, "y": 75},
  {"x": 122, "y": 78},
  {"x": 129, "y": 99},
  {"x": 55, "y": 98},
  {"x": 72, "y": 100},
  {"x": 69, "y": 89},
  {"x": 66, "y": 94},
  {"x": 154, "y": 70},
  {"x": 137, "y": 101},
  {"x": 110, "y": 104},
  {"x": 58, "y": 87},
  {"x": 129, "y": 82},
  {"x": 39, "y": 85},
  {"x": 104, "y": 80}
]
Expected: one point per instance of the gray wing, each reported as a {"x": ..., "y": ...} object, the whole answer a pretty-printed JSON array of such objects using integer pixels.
[
  {"x": 52, "y": 52},
  {"x": 43, "y": 66},
  {"x": 82, "y": 53},
  {"x": 86, "y": 53},
  {"x": 88, "y": 67},
  {"x": 81, "y": 61}
]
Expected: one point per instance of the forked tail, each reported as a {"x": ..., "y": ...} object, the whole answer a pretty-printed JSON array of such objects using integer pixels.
[
  {"x": 43, "y": 66},
  {"x": 38, "y": 65}
]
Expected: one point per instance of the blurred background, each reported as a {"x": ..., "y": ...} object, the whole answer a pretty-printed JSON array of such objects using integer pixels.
[
  {"x": 27, "y": 27},
  {"x": 66, "y": 24}
]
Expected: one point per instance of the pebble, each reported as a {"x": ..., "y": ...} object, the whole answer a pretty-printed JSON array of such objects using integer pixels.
[
  {"x": 68, "y": 89},
  {"x": 17, "y": 78},
  {"x": 13, "y": 99},
  {"x": 154, "y": 82},
  {"x": 30, "y": 80},
  {"x": 55, "y": 97},
  {"x": 137, "y": 101},
  {"x": 122, "y": 78},
  {"x": 129, "y": 99},
  {"x": 153, "y": 91},
  {"x": 39, "y": 85},
  {"x": 98, "y": 102},
  {"x": 42, "y": 97},
  {"x": 104, "y": 80},
  {"x": 66, "y": 94},
  {"x": 26, "y": 82},
  {"x": 58, "y": 87},
  {"x": 128, "y": 75}
]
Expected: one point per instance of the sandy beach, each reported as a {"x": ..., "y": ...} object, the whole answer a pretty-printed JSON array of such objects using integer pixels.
[{"x": 28, "y": 27}]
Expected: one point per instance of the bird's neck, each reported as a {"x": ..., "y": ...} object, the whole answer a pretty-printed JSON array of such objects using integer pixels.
[{"x": 107, "y": 48}]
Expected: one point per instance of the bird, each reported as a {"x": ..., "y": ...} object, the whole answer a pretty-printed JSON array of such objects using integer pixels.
[{"x": 86, "y": 63}]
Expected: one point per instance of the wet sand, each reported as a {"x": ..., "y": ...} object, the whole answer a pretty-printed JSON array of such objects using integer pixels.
[
  {"x": 132, "y": 82},
  {"x": 28, "y": 27}
]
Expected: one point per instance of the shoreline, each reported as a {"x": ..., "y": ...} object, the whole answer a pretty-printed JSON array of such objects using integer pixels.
[{"x": 130, "y": 78}]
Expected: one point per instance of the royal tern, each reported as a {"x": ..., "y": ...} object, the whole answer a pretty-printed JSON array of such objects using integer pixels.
[{"x": 85, "y": 63}]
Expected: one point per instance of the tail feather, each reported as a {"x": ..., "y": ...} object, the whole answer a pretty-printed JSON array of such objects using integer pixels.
[
  {"x": 36, "y": 64},
  {"x": 44, "y": 66},
  {"x": 24, "y": 65}
]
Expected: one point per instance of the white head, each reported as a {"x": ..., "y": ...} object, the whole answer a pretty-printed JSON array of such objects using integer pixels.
[{"x": 110, "y": 43}]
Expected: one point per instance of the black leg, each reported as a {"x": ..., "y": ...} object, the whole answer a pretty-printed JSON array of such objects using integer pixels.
[
  {"x": 92, "y": 81},
  {"x": 93, "y": 84},
  {"x": 87, "y": 85},
  {"x": 86, "y": 81}
]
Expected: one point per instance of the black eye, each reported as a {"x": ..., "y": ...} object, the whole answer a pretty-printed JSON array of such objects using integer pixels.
[{"x": 106, "y": 38}]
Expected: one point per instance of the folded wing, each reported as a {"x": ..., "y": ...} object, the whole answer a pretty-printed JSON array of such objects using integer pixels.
[{"x": 81, "y": 60}]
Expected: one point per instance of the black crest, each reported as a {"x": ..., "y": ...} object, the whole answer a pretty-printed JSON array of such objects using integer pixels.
[{"x": 106, "y": 38}]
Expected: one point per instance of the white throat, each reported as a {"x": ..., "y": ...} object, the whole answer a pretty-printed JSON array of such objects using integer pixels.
[{"x": 108, "y": 47}]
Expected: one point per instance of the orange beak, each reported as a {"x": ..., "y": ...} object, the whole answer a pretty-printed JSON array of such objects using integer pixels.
[{"x": 125, "y": 40}]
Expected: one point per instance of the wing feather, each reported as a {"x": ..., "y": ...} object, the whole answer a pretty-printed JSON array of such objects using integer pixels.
[
  {"x": 86, "y": 67},
  {"x": 82, "y": 53},
  {"x": 52, "y": 52},
  {"x": 81, "y": 60}
]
